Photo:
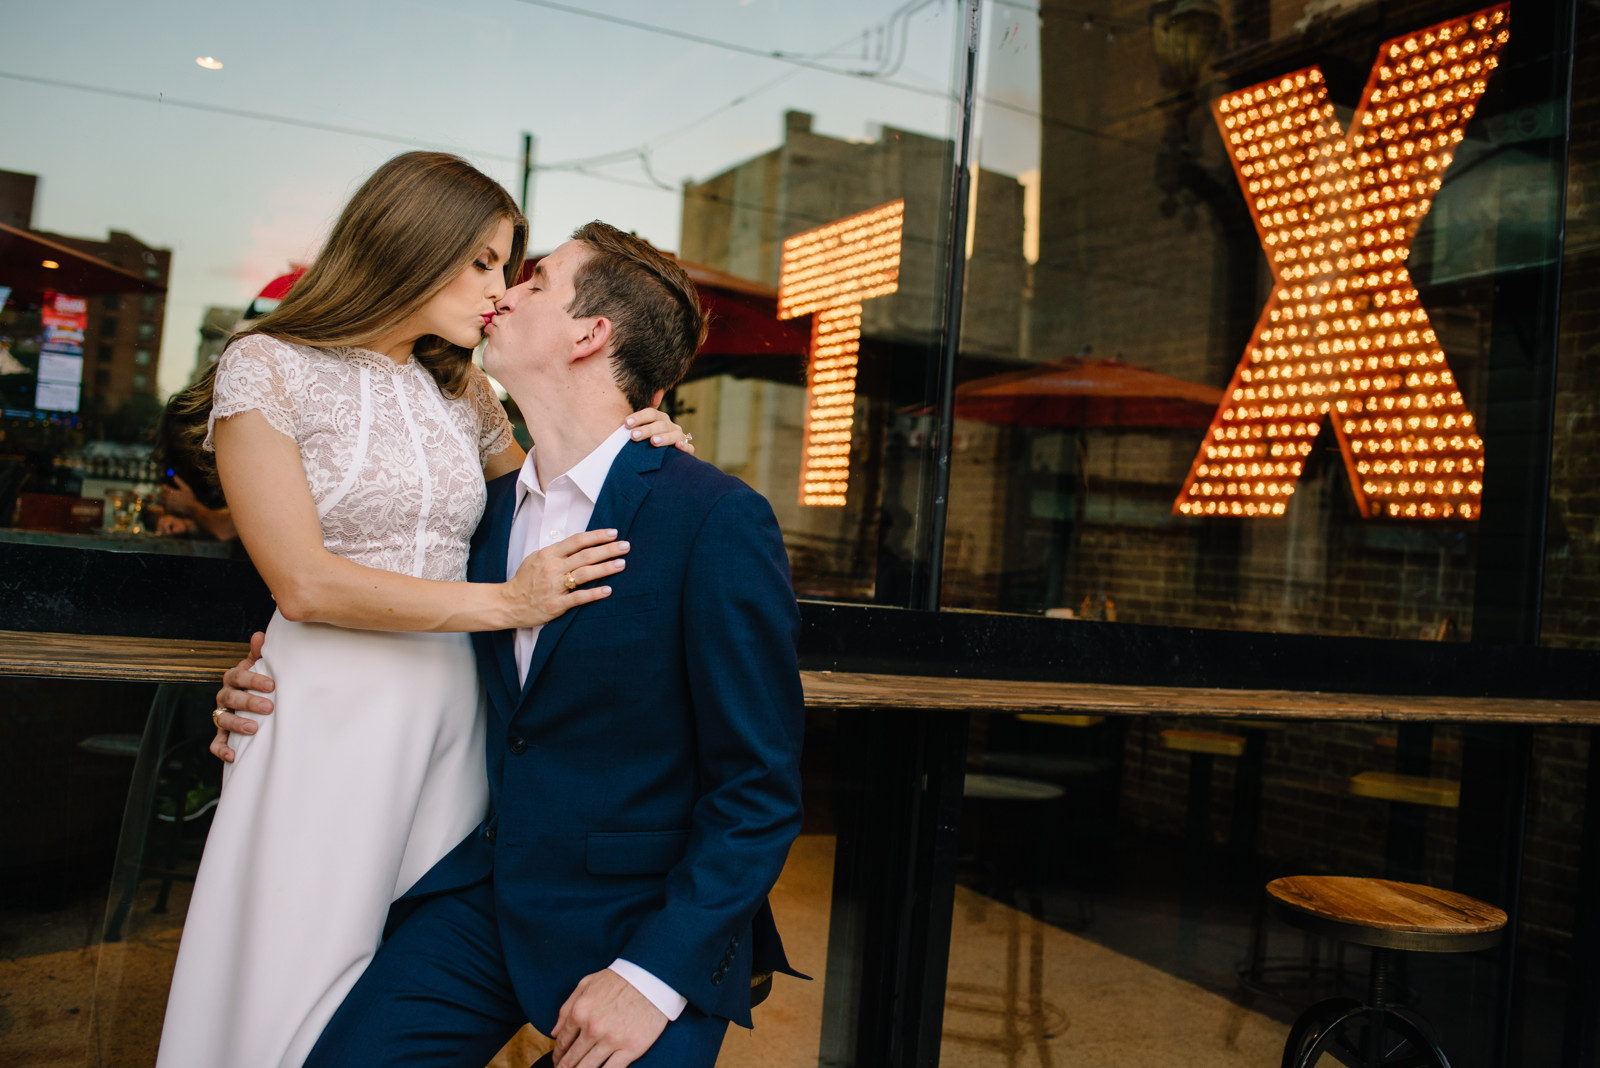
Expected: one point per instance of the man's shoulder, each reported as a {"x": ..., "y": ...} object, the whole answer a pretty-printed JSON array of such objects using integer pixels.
[{"x": 694, "y": 481}]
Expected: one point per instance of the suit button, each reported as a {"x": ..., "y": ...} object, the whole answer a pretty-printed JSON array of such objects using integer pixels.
[
  {"x": 488, "y": 832},
  {"x": 518, "y": 746}
]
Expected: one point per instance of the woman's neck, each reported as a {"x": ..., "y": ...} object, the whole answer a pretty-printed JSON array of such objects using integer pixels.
[{"x": 395, "y": 343}]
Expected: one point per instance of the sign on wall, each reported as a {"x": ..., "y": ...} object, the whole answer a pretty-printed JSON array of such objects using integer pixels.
[
  {"x": 60, "y": 379},
  {"x": 1344, "y": 335},
  {"x": 827, "y": 273}
]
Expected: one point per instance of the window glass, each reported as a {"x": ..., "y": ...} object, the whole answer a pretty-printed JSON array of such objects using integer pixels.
[
  {"x": 1245, "y": 380},
  {"x": 1572, "y": 542},
  {"x": 719, "y": 130},
  {"x": 737, "y": 127}
]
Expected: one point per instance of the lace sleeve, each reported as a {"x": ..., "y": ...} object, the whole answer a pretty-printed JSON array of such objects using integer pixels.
[
  {"x": 494, "y": 428},
  {"x": 256, "y": 374}
]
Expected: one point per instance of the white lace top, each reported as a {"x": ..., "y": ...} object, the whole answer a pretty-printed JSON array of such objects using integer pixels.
[{"x": 395, "y": 467}]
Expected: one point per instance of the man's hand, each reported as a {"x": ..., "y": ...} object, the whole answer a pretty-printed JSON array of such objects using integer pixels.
[
  {"x": 237, "y": 682},
  {"x": 605, "y": 1022}
]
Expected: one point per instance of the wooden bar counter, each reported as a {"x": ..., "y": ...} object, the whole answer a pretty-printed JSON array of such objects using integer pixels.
[{"x": 163, "y": 660}]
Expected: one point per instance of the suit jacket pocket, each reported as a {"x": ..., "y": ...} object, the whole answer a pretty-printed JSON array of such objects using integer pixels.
[
  {"x": 634, "y": 852},
  {"x": 626, "y": 604}
]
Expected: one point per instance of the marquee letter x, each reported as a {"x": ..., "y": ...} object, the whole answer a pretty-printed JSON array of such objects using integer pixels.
[{"x": 1344, "y": 332}]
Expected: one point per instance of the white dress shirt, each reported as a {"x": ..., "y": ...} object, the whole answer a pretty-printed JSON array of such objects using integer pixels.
[{"x": 541, "y": 518}]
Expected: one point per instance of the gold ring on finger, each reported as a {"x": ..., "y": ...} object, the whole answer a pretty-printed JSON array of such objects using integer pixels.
[
  {"x": 570, "y": 581},
  {"x": 215, "y": 714}
]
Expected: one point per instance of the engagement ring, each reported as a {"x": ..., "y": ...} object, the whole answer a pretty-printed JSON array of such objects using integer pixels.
[
  {"x": 215, "y": 712},
  {"x": 570, "y": 581}
]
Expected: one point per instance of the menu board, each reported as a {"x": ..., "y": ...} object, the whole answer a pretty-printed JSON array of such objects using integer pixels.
[{"x": 64, "y": 318}]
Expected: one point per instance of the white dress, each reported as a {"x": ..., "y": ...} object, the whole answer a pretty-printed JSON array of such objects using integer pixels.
[{"x": 371, "y": 766}]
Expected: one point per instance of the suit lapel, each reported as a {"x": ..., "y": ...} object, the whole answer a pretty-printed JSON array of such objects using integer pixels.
[
  {"x": 490, "y": 566},
  {"x": 624, "y": 491}
]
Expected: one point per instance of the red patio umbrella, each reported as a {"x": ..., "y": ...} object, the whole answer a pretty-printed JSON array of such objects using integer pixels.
[{"x": 1083, "y": 392}]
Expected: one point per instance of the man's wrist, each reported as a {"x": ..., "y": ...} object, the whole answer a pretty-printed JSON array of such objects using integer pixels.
[{"x": 663, "y": 997}]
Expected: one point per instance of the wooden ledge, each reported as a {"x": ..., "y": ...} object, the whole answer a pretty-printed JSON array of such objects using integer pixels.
[
  {"x": 98, "y": 656},
  {"x": 167, "y": 660}
]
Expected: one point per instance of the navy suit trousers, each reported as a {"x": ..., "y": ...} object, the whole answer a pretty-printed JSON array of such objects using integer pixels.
[{"x": 438, "y": 994}]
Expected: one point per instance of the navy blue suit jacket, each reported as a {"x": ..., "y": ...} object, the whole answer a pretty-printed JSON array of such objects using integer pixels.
[{"x": 644, "y": 784}]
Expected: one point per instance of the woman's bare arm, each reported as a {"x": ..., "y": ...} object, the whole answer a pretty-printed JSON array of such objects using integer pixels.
[{"x": 264, "y": 483}]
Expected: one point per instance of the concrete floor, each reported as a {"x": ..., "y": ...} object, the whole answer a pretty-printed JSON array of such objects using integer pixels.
[{"x": 1021, "y": 993}]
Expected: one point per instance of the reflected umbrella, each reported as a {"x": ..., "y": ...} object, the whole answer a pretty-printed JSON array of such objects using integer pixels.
[{"x": 1083, "y": 392}]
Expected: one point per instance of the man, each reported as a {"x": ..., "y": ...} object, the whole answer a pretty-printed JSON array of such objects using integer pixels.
[{"x": 642, "y": 749}]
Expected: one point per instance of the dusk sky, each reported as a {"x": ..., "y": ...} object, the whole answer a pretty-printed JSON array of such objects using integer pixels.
[{"x": 238, "y": 197}]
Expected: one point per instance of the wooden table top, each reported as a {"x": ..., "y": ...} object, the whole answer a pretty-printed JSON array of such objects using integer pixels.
[{"x": 167, "y": 660}]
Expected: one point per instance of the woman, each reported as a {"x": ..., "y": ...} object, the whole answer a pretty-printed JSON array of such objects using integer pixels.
[{"x": 353, "y": 436}]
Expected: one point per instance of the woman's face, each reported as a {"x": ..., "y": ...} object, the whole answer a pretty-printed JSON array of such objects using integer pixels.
[{"x": 459, "y": 311}]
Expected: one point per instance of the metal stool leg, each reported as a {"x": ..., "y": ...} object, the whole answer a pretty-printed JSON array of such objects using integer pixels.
[{"x": 1312, "y": 1024}]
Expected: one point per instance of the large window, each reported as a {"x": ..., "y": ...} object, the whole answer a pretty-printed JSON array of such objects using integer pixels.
[
  {"x": 1244, "y": 368},
  {"x": 718, "y": 132},
  {"x": 164, "y": 168}
]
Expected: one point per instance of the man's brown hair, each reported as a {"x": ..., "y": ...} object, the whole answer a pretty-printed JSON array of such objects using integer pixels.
[{"x": 657, "y": 322}]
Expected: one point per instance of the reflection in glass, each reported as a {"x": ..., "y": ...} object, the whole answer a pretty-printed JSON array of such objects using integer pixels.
[{"x": 1144, "y": 282}]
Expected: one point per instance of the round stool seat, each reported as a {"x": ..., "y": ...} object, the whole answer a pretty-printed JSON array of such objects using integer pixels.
[{"x": 1387, "y": 914}]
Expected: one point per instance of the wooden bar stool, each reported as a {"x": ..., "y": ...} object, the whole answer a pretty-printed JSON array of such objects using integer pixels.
[
  {"x": 1203, "y": 748},
  {"x": 1409, "y": 797},
  {"x": 1391, "y": 918}
]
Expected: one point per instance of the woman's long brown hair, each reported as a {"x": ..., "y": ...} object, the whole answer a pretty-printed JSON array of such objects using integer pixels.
[{"x": 410, "y": 229}]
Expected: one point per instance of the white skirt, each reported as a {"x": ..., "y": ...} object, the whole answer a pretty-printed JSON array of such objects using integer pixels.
[{"x": 370, "y": 769}]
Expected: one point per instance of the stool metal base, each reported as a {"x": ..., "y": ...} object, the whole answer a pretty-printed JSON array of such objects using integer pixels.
[
  {"x": 1392, "y": 1037},
  {"x": 1377, "y": 1033}
]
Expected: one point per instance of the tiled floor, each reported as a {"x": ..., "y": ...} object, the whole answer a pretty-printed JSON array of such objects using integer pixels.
[{"x": 1021, "y": 994}]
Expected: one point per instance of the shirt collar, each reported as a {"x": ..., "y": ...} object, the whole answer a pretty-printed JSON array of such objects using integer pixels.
[{"x": 588, "y": 474}]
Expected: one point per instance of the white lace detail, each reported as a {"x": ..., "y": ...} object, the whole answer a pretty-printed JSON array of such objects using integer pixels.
[
  {"x": 494, "y": 428},
  {"x": 395, "y": 467}
]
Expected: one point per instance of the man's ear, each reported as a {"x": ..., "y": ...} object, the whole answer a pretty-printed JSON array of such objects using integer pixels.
[
  {"x": 596, "y": 341},
  {"x": 656, "y": 398}
]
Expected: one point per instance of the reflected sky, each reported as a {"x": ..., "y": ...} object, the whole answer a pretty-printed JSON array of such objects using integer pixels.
[{"x": 240, "y": 170}]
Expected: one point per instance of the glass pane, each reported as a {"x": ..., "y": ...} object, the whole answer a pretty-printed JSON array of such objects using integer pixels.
[
  {"x": 1572, "y": 556},
  {"x": 1245, "y": 379},
  {"x": 718, "y": 132},
  {"x": 734, "y": 129},
  {"x": 1111, "y": 902}
]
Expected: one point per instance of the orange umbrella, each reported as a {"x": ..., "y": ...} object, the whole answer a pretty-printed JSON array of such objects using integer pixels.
[{"x": 1082, "y": 392}]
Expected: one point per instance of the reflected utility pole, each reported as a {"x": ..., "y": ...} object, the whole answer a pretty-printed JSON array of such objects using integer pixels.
[{"x": 529, "y": 146}]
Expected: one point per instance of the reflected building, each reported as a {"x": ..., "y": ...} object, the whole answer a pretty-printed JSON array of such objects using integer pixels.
[
  {"x": 122, "y": 341},
  {"x": 217, "y": 325},
  {"x": 752, "y": 420}
]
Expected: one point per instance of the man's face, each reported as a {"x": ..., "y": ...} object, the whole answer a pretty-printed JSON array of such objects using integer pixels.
[{"x": 532, "y": 327}]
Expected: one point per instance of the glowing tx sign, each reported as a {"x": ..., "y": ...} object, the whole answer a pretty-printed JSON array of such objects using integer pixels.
[
  {"x": 827, "y": 273},
  {"x": 1344, "y": 333}
]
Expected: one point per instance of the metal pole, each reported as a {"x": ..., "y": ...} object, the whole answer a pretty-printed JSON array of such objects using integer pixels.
[
  {"x": 528, "y": 148},
  {"x": 955, "y": 284}
]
